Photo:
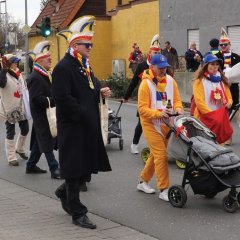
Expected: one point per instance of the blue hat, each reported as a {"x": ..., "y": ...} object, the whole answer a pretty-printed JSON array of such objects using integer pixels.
[
  {"x": 160, "y": 61},
  {"x": 14, "y": 60},
  {"x": 211, "y": 58}
]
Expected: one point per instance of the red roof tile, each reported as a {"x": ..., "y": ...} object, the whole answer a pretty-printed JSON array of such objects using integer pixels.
[{"x": 61, "y": 16}]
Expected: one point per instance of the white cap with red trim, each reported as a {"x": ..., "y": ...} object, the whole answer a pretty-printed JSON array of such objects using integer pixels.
[
  {"x": 224, "y": 37},
  {"x": 80, "y": 29},
  {"x": 155, "y": 45},
  {"x": 41, "y": 50}
]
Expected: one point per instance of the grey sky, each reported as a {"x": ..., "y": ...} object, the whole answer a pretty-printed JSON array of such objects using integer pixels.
[{"x": 16, "y": 8}]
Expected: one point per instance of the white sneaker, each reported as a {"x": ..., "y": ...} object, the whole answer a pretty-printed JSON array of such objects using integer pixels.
[
  {"x": 134, "y": 148},
  {"x": 144, "y": 187},
  {"x": 164, "y": 195}
]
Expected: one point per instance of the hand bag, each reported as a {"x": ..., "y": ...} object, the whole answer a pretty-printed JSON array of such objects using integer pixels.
[
  {"x": 52, "y": 120},
  {"x": 16, "y": 114},
  {"x": 104, "y": 119}
]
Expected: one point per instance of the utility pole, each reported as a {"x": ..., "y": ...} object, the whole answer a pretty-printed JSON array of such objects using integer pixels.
[
  {"x": 5, "y": 22},
  {"x": 26, "y": 42}
]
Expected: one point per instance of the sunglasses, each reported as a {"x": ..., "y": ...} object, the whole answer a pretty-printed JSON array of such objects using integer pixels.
[
  {"x": 87, "y": 45},
  {"x": 223, "y": 45}
]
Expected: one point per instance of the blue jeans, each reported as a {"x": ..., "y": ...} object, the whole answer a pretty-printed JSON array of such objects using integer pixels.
[{"x": 35, "y": 157}]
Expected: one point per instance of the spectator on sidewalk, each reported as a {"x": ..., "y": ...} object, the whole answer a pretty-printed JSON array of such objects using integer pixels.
[
  {"x": 135, "y": 57},
  {"x": 214, "y": 47},
  {"x": 154, "y": 49},
  {"x": 193, "y": 58},
  {"x": 12, "y": 109},
  {"x": 156, "y": 89},
  {"x": 39, "y": 86},
  {"x": 77, "y": 93},
  {"x": 172, "y": 58}
]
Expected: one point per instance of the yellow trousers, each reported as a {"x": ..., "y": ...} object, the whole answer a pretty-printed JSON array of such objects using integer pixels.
[{"x": 157, "y": 161}]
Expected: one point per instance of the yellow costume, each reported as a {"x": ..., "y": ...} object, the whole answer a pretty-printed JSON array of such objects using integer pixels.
[
  {"x": 150, "y": 110},
  {"x": 202, "y": 91}
]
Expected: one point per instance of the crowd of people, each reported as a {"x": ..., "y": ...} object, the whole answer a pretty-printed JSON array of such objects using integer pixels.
[{"x": 74, "y": 92}]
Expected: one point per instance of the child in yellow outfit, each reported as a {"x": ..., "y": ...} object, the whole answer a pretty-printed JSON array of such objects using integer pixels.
[{"x": 155, "y": 90}]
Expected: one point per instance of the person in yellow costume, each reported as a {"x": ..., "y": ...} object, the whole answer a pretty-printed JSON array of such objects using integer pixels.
[
  {"x": 154, "y": 92},
  {"x": 213, "y": 97}
]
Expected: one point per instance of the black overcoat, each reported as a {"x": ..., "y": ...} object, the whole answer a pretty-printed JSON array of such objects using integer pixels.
[
  {"x": 81, "y": 148},
  {"x": 39, "y": 88}
]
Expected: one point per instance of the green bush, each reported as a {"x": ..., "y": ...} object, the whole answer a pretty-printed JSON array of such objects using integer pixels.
[{"x": 118, "y": 85}]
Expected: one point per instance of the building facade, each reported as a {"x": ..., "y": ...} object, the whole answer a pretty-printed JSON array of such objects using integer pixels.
[
  {"x": 119, "y": 23},
  {"x": 183, "y": 21}
]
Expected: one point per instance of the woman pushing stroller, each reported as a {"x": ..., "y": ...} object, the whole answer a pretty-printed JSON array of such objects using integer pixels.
[
  {"x": 212, "y": 97},
  {"x": 154, "y": 92}
]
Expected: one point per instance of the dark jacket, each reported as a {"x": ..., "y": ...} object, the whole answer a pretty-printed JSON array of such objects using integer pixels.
[
  {"x": 39, "y": 88},
  {"x": 235, "y": 58},
  {"x": 172, "y": 57},
  {"x": 136, "y": 78},
  {"x": 191, "y": 64},
  {"x": 81, "y": 148}
]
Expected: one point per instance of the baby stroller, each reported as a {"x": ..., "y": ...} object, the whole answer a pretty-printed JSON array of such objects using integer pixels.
[
  {"x": 210, "y": 168},
  {"x": 115, "y": 127}
]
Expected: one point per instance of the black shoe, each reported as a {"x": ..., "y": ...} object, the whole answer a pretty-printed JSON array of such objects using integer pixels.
[
  {"x": 62, "y": 196},
  {"x": 35, "y": 170},
  {"x": 56, "y": 174},
  {"x": 83, "y": 187},
  {"x": 84, "y": 222},
  {"x": 22, "y": 155}
]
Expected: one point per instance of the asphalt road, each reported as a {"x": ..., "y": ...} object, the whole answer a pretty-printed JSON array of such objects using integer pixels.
[{"x": 114, "y": 196}]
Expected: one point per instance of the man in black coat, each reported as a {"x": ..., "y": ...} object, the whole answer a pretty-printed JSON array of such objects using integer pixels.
[
  {"x": 76, "y": 93},
  {"x": 39, "y": 86},
  {"x": 193, "y": 57},
  {"x": 154, "y": 49}
]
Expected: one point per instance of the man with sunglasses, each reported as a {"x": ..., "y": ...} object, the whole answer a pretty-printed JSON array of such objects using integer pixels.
[
  {"x": 154, "y": 49},
  {"x": 77, "y": 93},
  {"x": 229, "y": 59}
]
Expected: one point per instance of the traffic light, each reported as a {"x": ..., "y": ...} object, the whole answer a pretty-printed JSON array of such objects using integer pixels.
[{"x": 45, "y": 27}]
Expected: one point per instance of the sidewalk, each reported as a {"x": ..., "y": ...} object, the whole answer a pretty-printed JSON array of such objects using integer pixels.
[{"x": 27, "y": 215}]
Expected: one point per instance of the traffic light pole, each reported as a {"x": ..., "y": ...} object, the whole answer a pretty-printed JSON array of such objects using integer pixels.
[{"x": 26, "y": 42}]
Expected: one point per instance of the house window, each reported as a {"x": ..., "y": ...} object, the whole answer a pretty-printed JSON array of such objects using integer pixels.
[
  {"x": 193, "y": 36},
  {"x": 234, "y": 33},
  {"x": 119, "y": 2}
]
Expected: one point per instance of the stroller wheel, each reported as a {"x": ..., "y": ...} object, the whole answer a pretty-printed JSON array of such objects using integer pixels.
[
  {"x": 180, "y": 164},
  {"x": 229, "y": 205},
  {"x": 121, "y": 144},
  {"x": 145, "y": 154},
  {"x": 177, "y": 196},
  {"x": 109, "y": 140}
]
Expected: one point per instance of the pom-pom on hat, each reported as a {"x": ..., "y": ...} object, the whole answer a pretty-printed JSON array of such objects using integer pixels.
[
  {"x": 160, "y": 61},
  {"x": 224, "y": 37},
  {"x": 80, "y": 29},
  {"x": 12, "y": 58},
  {"x": 41, "y": 50},
  {"x": 155, "y": 45}
]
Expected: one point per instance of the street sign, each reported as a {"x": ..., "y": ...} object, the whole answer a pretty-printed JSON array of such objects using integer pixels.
[{"x": 26, "y": 29}]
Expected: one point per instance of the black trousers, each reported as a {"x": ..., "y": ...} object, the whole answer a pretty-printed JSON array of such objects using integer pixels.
[
  {"x": 138, "y": 132},
  {"x": 70, "y": 189},
  {"x": 23, "y": 125}
]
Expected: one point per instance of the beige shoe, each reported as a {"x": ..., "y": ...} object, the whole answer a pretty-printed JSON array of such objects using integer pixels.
[
  {"x": 20, "y": 147},
  {"x": 14, "y": 163},
  {"x": 10, "y": 151}
]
